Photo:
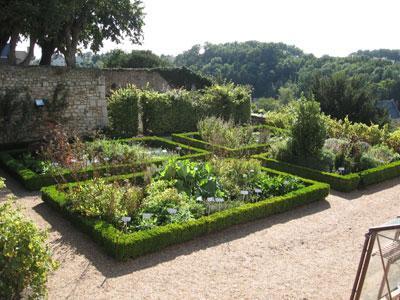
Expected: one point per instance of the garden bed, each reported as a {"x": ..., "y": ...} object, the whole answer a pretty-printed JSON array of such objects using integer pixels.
[
  {"x": 194, "y": 139},
  {"x": 12, "y": 162},
  {"x": 343, "y": 183},
  {"x": 122, "y": 245}
]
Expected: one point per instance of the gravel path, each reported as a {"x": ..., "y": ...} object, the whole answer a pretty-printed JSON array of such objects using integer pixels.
[{"x": 309, "y": 253}]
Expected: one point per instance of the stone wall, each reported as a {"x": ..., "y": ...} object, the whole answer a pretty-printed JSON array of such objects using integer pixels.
[
  {"x": 116, "y": 78},
  {"x": 85, "y": 91}
]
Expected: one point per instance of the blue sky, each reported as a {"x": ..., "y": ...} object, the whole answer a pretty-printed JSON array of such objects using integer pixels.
[{"x": 336, "y": 27}]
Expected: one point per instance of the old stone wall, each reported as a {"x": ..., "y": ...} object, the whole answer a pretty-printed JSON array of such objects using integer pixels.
[
  {"x": 85, "y": 92},
  {"x": 117, "y": 78},
  {"x": 83, "y": 106}
]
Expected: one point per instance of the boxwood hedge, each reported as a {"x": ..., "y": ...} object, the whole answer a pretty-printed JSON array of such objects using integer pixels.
[
  {"x": 129, "y": 245},
  {"x": 193, "y": 139},
  {"x": 33, "y": 181},
  {"x": 343, "y": 183}
]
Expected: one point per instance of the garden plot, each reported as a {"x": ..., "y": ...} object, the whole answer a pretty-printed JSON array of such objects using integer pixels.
[
  {"x": 344, "y": 154},
  {"x": 79, "y": 161},
  {"x": 131, "y": 215},
  {"x": 227, "y": 139}
]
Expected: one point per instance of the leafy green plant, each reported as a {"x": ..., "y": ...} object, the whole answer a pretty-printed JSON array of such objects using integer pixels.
[
  {"x": 25, "y": 259},
  {"x": 2, "y": 183},
  {"x": 123, "y": 111},
  {"x": 216, "y": 131},
  {"x": 308, "y": 131},
  {"x": 378, "y": 155},
  {"x": 109, "y": 201},
  {"x": 393, "y": 140}
]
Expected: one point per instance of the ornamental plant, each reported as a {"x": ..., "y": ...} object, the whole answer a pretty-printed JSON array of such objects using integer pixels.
[
  {"x": 25, "y": 259},
  {"x": 308, "y": 131}
]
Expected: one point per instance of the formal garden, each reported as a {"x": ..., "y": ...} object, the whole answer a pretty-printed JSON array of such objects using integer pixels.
[{"x": 176, "y": 165}]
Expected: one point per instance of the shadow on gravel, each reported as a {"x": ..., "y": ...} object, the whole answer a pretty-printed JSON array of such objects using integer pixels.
[
  {"x": 110, "y": 268},
  {"x": 367, "y": 190},
  {"x": 15, "y": 187}
]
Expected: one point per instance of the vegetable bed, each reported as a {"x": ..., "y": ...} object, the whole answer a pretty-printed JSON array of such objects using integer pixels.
[
  {"x": 154, "y": 227},
  {"x": 14, "y": 163},
  {"x": 342, "y": 183},
  {"x": 194, "y": 139}
]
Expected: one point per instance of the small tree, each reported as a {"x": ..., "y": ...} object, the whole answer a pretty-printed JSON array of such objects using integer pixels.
[{"x": 308, "y": 130}]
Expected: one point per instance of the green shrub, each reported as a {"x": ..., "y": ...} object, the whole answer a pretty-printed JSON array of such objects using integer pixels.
[
  {"x": 108, "y": 201},
  {"x": 393, "y": 140},
  {"x": 125, "y": 245},
  {"x": 123, "y": 111},
  {"x": 181, "y": 110},
  {"x": 283, "y": 117},
  {"x": 216, "y": 131},
  {"x": 2, "y": 183},
  {"x": 378, "y": 155},
  {"x": 308, "y": 131},
  {"x": 25, "y": 260},
  {"x": 229, "y": 101}
]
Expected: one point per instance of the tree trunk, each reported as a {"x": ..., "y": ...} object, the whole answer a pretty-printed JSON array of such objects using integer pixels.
[
  {"x": 47, "y": 52},
  {"x": 13, "y": 46},
  {"x": 29, "y": 57},
  {"x": 70, "y": 58}
]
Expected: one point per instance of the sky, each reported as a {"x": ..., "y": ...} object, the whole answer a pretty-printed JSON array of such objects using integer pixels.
[{"x": 333, "y": 27}]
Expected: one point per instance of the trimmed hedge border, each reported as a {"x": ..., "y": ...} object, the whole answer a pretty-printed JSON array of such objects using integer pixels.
[
  {"x": 189, "y": 139},
  {"x": 33, "y": 181},
  {"x": 130, "y": 245},
  {"x": 342, "y": 183}
]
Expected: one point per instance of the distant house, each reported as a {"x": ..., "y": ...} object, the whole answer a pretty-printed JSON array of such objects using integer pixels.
[{"x": 391, "y": 107}]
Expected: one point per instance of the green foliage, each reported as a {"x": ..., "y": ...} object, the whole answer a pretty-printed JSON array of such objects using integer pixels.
[
  {"x": 282, "y": 118},
  {"x": 2, "y": 183},
  {"x": 123, "y": 111},
  {"x": 341, "y": 96},
  {"x": 343, "y": 183},
  {"x": 393, "y": 140},
  {"x": 308, "y": 131},
  {"x": 184, "y": 78},
  {"x": 181, "y": 110},
  {"x": 25, "y": 259},
  {"x": 158, "y": 203},
  {"x": 265, "y": 66},
  {"x": 216, "y": 131},
  {"x": 108, "y": 201},
  {"x": 135, "y": 59},
  {"x": 345, "y": 129},
  {"x": 263, "y": 105},
  {"x": 124, "y": 245},
  {"x": 378, "y": 155},
  {"x": 11, "y": 161}
]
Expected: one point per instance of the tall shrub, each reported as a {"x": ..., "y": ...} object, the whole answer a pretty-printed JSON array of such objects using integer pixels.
[
  {"x": 229, "y": 101},
  {"x": 123, "y": 111},
  {"x": 308, "y": 130},
  {"x": 181, "y": 110},
  {"x": 25, "y": 260}
]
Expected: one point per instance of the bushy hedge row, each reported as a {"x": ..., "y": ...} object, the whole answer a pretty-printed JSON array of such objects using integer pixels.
[
  {"x": 183, "y": 78},
  {"x": 193, "y": 139},
  {"x": 181, "y": 110},
  {"x": 123, "y": 112},
  {"x": 343, "y": 183},
  {"x": 122, "y": 246},
  {"x": 33, "y": 181}
]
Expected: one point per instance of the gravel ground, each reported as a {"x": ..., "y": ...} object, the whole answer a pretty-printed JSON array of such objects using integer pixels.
[{"x": 309, "y": 253}]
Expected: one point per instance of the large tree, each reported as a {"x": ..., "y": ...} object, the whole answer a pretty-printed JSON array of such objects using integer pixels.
[
  {"x": 65, "y": 25},
  {"x": 342, "y": 96}
]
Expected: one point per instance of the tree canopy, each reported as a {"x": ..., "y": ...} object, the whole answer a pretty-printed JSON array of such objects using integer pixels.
[{"x": 66, "y": 25}]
